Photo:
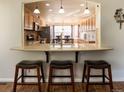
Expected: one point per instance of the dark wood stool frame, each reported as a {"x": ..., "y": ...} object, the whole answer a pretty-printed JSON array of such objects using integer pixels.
[
  {"x": 87, "y": 77},
  {"x": 22, "y": 76},
  {"x": 51, "y": 76}
]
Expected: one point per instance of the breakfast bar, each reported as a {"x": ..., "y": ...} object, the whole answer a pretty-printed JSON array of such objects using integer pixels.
[{"x": 47, "y": 48}]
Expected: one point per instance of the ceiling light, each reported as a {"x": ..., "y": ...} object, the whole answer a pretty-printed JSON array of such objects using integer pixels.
[
  {"x": 36, "y": 10},
  {"x": 50, "y": 10},
  {"x": 81, "y": 4},
  {"x": 61, "y": 10},
  {"x": 75, "y": 15},
  {"x": 86, "y": 11},
  {"x": 47, "y": 4}
]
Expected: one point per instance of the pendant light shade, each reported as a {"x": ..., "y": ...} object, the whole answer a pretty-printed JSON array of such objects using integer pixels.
[
  {"x": 86, "y": 11},
  {"x": 36, "y": 10},
  {"x": 61, "y": 10}
]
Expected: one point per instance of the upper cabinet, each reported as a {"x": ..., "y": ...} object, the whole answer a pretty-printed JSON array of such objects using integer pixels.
[
  {"x": 28, "y": 19},
  {"x": 31, "y": 21}
]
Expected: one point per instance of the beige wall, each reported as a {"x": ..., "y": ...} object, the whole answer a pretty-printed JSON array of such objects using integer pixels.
[{"x": 10, "y": 36}]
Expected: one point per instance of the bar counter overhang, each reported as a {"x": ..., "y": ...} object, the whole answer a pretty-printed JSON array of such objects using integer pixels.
[{"x": 60, "y": 48}]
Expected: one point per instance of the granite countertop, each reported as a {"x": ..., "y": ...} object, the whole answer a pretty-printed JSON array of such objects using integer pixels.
[{"x": 57, "y": 47}]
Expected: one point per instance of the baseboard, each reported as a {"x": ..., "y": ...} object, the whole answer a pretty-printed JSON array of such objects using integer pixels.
[
  {"x": 11, "y": 80},
  {"x": 57, "y": 80},
  {"x": 6, "y": 80}
]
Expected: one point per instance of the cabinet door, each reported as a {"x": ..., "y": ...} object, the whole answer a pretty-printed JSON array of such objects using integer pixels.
[
  {"x": 31, "y": 21},
  {"x": 26, "y": 20}
]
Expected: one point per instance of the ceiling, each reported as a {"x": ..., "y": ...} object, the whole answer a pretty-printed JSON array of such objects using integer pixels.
[{"x": 73, "y": 10}]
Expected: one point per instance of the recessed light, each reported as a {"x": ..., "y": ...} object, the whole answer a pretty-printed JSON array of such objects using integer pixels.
[
  {"x": 47, "y": 4},
  {"x": 50, "y": 10},
  {"x": 81, "y": 4},
  {"x": 75, "y": 15}
]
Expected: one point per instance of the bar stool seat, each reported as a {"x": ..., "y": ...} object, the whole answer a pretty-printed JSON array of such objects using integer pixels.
[
  {"x": 29, "y": 64},
  {"x": 57, "y": 64},
  {"x": 61, "y": 64},
  {"x": 97, "y": 64}
]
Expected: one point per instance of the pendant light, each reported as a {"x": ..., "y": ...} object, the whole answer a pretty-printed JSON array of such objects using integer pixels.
[
  {"x": 36, "y": 10},
  {"x": 61, "y": 10},
  {"x": 86, "y": 11}
]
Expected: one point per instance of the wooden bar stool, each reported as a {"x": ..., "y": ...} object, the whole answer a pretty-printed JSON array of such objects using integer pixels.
[
  {"x": 61, "y": 65},
  {"x": 27, "y": 64},
  {"x": 97, "y": 64}
]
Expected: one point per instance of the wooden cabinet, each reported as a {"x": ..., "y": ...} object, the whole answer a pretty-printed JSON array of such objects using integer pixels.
[
  {"x": 32, "y": 27},
  {"x": 28, "y": 19},
  {"x": 31, "y": 21},
  {"x": 26, "y": 22}
]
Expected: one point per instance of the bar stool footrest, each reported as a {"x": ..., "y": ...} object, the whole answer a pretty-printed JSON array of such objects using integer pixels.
[
  {"x": 60, "y": 83},
  {"x": 97, "y": 76},
  {"x": 27, "y": 83},
  {"x": 31, "y": 76},
  {"x": 54, "y": 76}
]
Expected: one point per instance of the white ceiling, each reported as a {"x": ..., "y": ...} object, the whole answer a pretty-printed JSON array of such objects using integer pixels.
[{"x": 73, "y": 10}]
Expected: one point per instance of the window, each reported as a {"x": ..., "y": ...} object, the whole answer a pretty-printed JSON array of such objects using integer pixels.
[{"x": 65, "y": 30}]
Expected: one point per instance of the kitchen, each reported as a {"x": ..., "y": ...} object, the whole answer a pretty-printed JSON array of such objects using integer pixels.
[{"x": 49, "y": 24}]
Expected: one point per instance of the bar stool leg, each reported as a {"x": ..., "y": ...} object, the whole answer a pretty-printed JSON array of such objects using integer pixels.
[
  {"x": 15, "y": 79},
  {"x": 42, "y": 72},
  {"x": 103, "y": 75},
  {"x": 39, "y": 78},
  {"x": 72, "y": 78},
  {"x": 110, "y": 78},
  {"x": 84, "y": 73},
  {"x": 22, "y": 80},
  {"x": 50, "y": 78},
  {"x": 88, "y": 77}
]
